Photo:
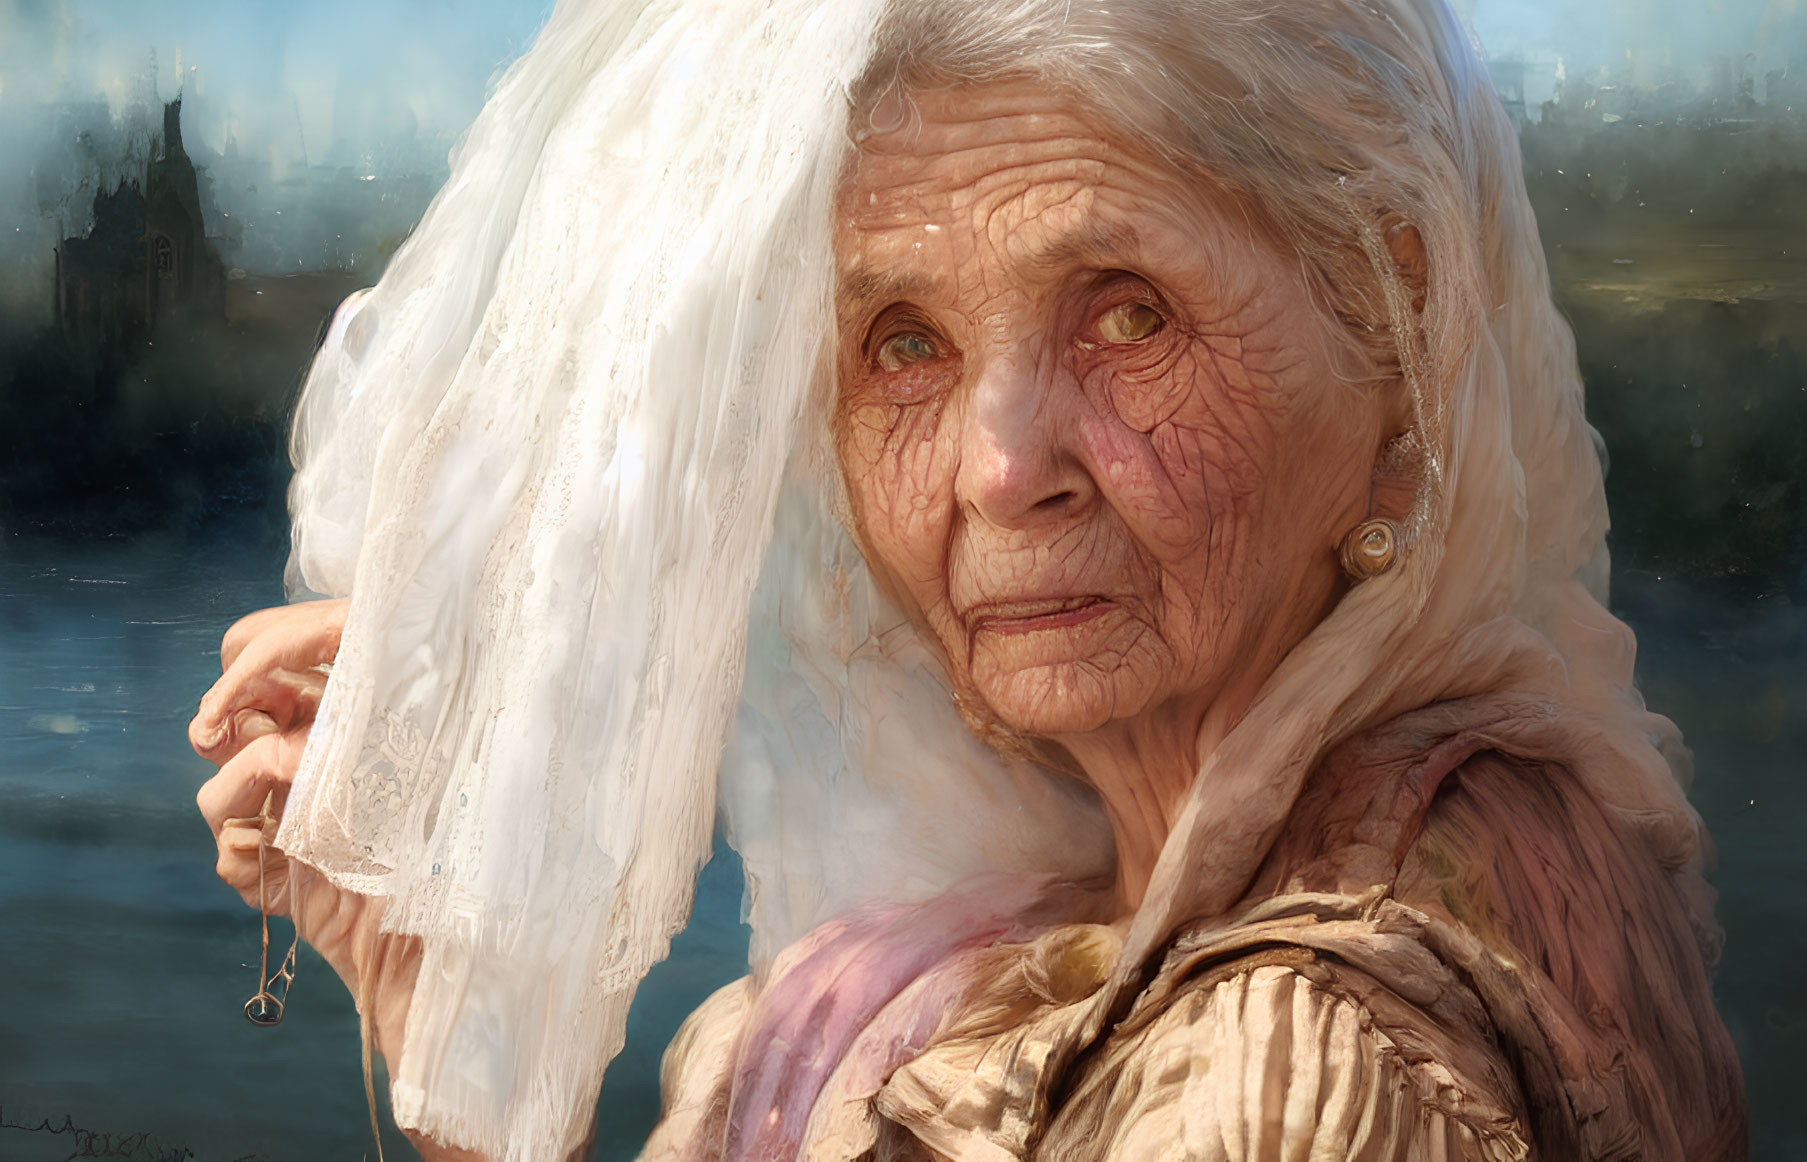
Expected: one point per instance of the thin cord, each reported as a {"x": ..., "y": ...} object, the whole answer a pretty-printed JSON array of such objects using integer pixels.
[
  {"x": 367, "y": 1032},
  {"x": 265, "y": 1009}
]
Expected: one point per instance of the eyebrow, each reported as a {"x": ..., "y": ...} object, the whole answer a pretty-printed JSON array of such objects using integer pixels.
[
  {"x": 863, "y": 290},
  {"x": 1101, "y": 244}
]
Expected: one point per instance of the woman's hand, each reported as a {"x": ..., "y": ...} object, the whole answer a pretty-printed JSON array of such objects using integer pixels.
[{"x": 253, "y": 724}]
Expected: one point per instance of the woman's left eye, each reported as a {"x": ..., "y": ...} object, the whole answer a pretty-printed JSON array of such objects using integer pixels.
[
  {"x": 1129, "y": 323},
  {"x": 899, "y": 351}
]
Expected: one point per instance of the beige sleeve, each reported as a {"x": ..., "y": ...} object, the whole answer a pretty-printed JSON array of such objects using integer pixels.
[
  {"x": 1268, "y": 1065},
  {"x": 695, "y": 1077}
]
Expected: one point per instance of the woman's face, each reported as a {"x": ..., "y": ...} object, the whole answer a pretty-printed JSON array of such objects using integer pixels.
[{"x": 1093, "y": 430}]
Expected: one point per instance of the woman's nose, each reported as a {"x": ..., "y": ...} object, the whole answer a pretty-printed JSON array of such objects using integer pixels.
[{"x": 1018, "y": 465}]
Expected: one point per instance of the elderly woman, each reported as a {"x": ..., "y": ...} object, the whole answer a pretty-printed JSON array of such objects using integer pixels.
[{"x": 1124, "y": 464}]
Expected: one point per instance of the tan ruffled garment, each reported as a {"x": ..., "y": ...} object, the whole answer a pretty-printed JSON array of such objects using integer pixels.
[{"x": 1452, "y": 951}]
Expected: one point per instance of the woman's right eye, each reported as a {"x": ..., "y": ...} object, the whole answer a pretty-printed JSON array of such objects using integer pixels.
[
  {"x": 905, "y": 348},
  {"x": 1129, "y": 322}
]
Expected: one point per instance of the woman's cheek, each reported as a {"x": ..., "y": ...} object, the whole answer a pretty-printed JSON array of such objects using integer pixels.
[
  {"x": 900, "y": 479},
  {"x": 1162, "y": 455},
  {"x": 1187, "y": 495},
  {"x": 1158, "y": 486},
  {"x": 1150, "y": 388},
  {"x": 875, "y": 432}
]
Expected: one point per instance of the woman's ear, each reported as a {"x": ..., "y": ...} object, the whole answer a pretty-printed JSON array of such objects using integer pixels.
[
  {"x": 1399, "y": 469},
  {"x": 1410, "y": 262},
  {"x": 1398, "y": 473}
]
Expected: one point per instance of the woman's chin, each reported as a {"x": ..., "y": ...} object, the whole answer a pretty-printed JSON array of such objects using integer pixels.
[
  {"x": 1068, "y": 680},
  {"x": 1055, "y": 698}
]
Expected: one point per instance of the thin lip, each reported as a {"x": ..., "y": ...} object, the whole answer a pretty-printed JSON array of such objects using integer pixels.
[{"x": 1035, "y": 612}]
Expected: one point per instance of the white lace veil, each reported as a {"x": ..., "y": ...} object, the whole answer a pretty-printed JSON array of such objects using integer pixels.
[
  {"x": 567, "y": 459},
  {"x": 543, "y": 456}
]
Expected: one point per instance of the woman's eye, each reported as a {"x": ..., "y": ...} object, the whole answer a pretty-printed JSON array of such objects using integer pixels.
[
  {"x": 899, "y": 351},
  {"x": 1129, "y": 323}
]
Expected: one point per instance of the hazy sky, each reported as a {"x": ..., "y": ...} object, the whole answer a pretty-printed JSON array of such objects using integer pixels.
[
  {"x": 389, "y": 84},
  {"x": 290, "y": 76},
  {"x": 1685, "y": 33},
  {"x": 280, "y": 74}
]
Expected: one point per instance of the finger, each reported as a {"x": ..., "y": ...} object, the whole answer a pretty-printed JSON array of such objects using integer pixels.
[
  {"x": 238, "y": 790},
  {"x": 239, "y": 850},
  {"x": 265, "y": 703},
  {"x": 253, "y": 625},
  {"x": 273, "y": 671},
  {"x": 269, "y": 892},
  {"x": 280, "y": 661},
  {"x": 240, "y": 632},
  {"x": 242, "y": 835}
]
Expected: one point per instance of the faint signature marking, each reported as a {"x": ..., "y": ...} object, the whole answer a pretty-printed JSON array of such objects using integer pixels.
[{"x": 138, "y": 1147}]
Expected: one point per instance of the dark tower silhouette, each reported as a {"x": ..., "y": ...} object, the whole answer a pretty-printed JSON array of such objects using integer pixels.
[{"x": 146, "y": 259}]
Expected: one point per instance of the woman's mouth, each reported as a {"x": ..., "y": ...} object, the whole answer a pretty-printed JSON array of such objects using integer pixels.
[{"x": 1035, "y": 616}]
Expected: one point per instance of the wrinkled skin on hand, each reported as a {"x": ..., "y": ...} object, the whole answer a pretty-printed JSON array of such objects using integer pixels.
[
  {"x": 1096, "y": 436},
  {"x": 253, "y": 725}
]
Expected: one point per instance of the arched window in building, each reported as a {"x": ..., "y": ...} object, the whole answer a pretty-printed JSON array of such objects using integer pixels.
[{"x": 163, "y": 256}]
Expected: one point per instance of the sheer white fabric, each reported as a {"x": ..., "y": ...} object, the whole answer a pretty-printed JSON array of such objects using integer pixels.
[
  {"x": 546, "y": 457},
  {"x": 849, "y": 776},
  {"x": 543, "y": 457}
]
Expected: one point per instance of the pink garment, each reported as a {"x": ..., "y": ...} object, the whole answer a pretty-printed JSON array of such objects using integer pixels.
[
  {"x": 1448, "y": 874},
  {"x": 828, "y": 991}
]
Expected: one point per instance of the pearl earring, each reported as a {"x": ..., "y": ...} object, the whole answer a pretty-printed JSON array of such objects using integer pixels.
[{"x": 1370, "y": 549}]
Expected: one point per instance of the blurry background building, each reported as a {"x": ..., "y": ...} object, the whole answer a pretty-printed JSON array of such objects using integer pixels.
[{"x": 145, "y": 259}]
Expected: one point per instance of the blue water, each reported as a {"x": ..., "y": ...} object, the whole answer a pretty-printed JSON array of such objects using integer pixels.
[{"x": 124, "y": 963}]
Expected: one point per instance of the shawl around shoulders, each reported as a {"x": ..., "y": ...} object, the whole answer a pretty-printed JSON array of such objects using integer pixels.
[{"x": 1452, "y": 951}]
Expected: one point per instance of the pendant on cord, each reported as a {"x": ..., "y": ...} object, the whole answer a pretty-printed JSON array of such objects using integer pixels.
[{"x": 265, "y": 1008}]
